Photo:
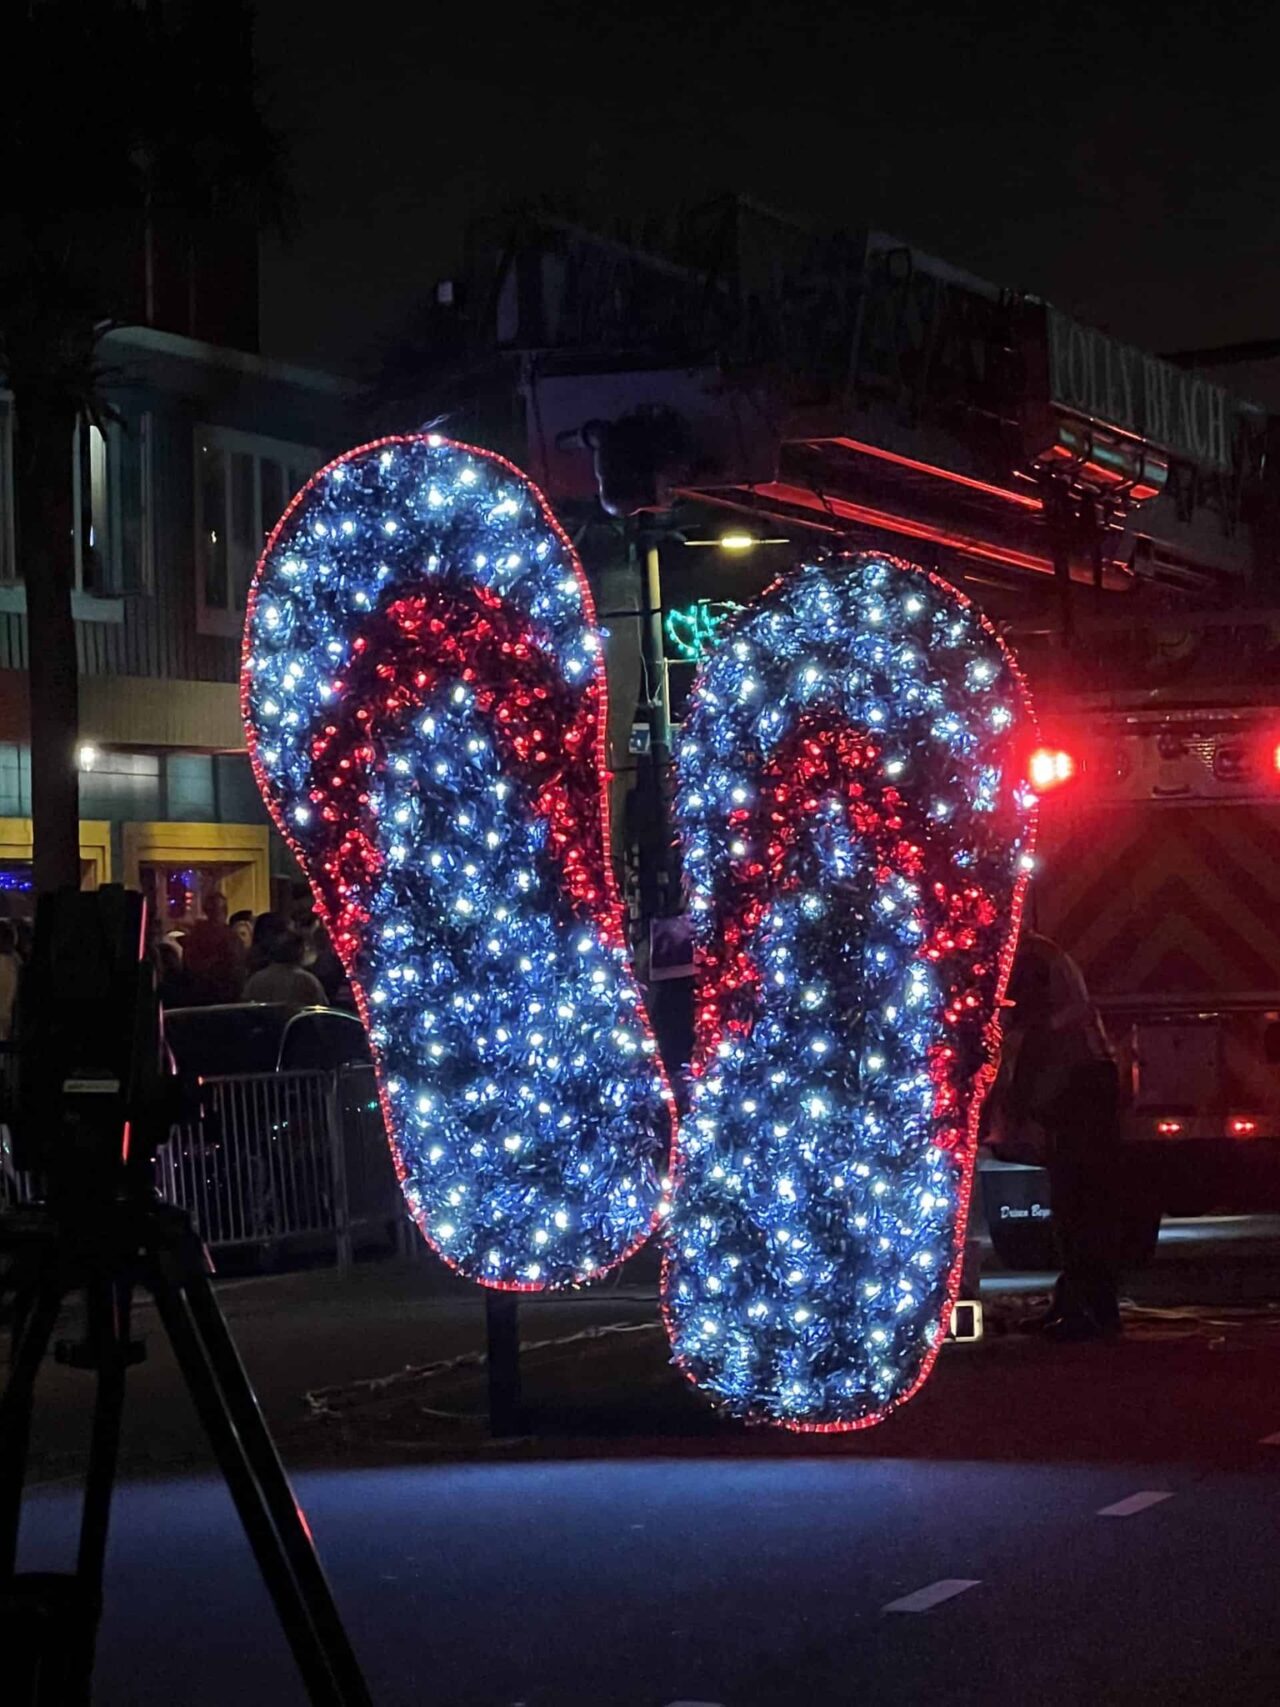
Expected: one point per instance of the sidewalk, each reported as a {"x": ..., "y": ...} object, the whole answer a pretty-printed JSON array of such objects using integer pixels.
[
  {"x": 633, "y": 1550},
  {"x": 1203, "y": 1327},
  {"x": 296, "y": 1332}
]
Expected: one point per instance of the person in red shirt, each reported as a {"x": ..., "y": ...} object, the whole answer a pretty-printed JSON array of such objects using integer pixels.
[{"x": 213, "y": 955}]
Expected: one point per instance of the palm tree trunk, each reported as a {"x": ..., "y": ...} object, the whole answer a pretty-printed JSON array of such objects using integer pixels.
[{"x": 46, "y": 555}]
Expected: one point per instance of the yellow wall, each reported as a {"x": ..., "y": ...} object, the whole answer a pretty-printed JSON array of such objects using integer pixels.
[
  {"x": 95, "y": 846},
  {"x": 246, "y": 847}
]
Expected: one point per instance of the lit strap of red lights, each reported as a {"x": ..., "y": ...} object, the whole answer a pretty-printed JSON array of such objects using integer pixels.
[
  {"x": 545, "y": 733},
  {"x": 824, "y": 761}
]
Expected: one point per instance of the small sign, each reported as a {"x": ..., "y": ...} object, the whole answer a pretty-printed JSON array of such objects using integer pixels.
[{"x": 1113, "y": 383}]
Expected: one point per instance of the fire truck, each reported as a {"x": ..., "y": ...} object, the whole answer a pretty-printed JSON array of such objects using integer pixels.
[
  {"x": 742, "y": 384},
  {"x": 1158, "y": 869}
]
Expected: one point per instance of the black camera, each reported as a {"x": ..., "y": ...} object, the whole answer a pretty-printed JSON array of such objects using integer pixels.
[{"x": 96, "y": 1091}]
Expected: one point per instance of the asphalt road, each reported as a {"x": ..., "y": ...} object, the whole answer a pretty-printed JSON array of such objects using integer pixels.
[{"x": 1092, "y": 1524}]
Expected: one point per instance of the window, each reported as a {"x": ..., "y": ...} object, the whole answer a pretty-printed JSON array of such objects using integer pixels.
[
  {"x": 119, "y": 785},
  {"x": 111, "y": 486},
  {"x": 176, "y": 865},
  {"x": 97, "y": 519},
  {"x": 177, "y": 892},
  {"x": 242, "y": 484},
  {"x": 110, "y": 507}
]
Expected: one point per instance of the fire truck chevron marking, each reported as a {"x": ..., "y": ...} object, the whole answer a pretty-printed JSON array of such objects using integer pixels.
[
  {"x": 1166, "y": 899},
  {"x": 1181, "y": 950}
]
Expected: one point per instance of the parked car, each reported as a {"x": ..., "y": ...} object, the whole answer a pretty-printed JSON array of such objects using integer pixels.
[{"x": 263, "y": 1037}]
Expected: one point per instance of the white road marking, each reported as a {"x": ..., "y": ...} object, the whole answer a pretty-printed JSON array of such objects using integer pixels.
[
  {"x": 1270, "y": 1440},
  {"x": 1134, "y": 1504},
  {"x": 933, "y": 1594}
]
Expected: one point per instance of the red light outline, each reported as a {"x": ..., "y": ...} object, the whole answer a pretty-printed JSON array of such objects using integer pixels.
[
  {"x": 846, "y": 510},
  {"x": 1026, "y": 500},
  {"x": 613, "y": 899}
]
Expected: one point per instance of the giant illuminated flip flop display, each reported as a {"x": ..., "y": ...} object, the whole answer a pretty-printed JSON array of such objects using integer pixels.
[
  {"x": 856, "y": 840},
  {"x": 424, "y": 696}
]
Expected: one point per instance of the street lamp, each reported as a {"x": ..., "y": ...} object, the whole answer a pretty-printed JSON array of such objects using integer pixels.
[
  {"x": 644, "y": 544},
  {"x": 737, "y": 539}
]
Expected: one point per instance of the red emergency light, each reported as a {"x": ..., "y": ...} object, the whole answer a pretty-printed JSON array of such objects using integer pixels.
[
  {"x": 1050, "y": 767},
  {"x": 1240, "y": 1128},
  {"x": 1168, "y": 1128}
]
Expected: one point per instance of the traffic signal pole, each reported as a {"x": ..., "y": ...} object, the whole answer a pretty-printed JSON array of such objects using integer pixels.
[{"x": 658, "y": 716}]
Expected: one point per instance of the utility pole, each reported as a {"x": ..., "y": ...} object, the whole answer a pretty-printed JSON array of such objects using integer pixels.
[
  {"x": 647, "y": 557},
  {"x": 45, "y": 547},
  {"x": 669, "y": 1000}
]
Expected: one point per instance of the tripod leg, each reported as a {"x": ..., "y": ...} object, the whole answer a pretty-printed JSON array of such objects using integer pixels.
[
  {"x": 271, "y": 1517},
  {"x": 242, "y": 1407},
  {"x": 36, "y": 1311},
  {"x": 108, "y": 1304}
]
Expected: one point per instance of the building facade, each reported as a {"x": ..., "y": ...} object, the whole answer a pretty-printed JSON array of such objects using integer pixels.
[{"x": 197, "y": 454}]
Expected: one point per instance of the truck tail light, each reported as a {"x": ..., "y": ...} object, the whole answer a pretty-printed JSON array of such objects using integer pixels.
[
  {"x": 1168, "y": 1128},
  {"x": 1239, "y": 1127},
  {"x": 1049, "y": 767}
]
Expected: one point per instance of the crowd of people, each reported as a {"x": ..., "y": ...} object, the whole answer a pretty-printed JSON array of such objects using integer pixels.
[
  {"x": 242, "y": 958},
  {"x": 270, "y": 957}
]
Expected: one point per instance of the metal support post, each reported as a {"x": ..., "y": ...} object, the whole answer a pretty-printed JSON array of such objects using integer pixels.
[
  {"x": 658, "y": 708},
  {"x": 502, "y": 1336},
  {"x": 1059, "y": 511},
  {"x": 341, "y": 1208}
]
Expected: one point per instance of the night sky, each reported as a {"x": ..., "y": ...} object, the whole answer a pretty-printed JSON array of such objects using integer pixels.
[{"x": 1123, "y": 163}]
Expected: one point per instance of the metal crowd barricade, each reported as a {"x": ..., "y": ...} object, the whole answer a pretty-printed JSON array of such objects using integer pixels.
[
  {"x": 259, "y": 1165},
  {"x": 15, "y": 1187},
  {"x": 277, "y": 1158},
  {"x": 285, "y": 1156}
]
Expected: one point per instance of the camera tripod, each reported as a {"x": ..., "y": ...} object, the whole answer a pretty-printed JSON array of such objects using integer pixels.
[{"x": 107, "y": 1250}]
